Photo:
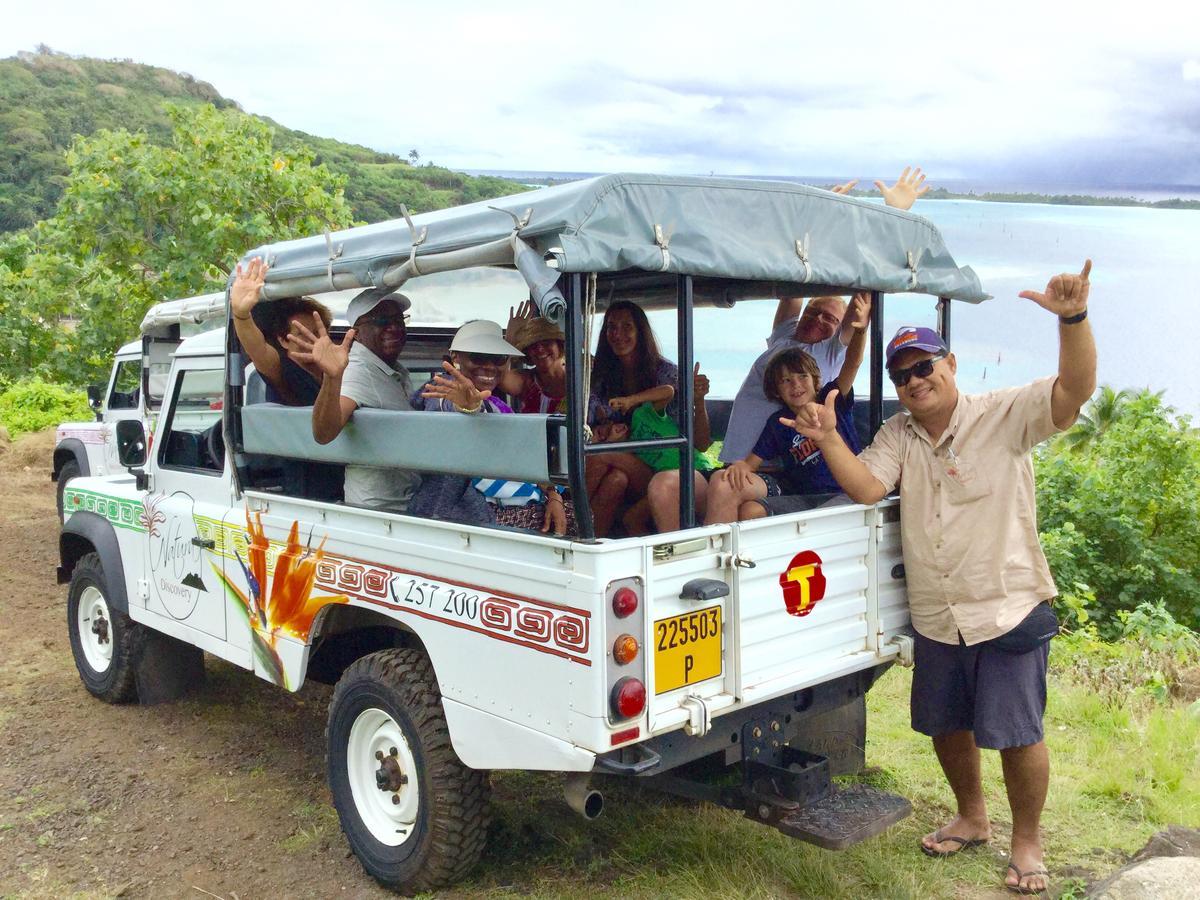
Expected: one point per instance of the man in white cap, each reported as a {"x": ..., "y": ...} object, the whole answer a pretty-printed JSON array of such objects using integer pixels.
[
  {"x": 978, "y": 582},
  {"x": 362, "y": 371}
]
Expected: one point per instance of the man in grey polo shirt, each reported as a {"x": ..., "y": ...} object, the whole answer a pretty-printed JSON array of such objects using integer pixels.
[
  {"x": 975, "y": 567},
  {"x": 363, "y": 372}
]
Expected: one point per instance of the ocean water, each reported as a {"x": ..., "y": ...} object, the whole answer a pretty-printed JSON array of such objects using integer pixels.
[{"x": 1144, "y": 305}]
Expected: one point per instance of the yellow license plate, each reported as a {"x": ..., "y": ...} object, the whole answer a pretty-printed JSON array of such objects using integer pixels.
[{"x": 687, "y": 649}]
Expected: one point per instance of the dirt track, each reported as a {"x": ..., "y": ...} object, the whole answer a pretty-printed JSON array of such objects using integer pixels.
[{"x": 224, "y": 792}]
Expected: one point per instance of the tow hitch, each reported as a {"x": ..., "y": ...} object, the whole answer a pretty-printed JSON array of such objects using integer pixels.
[{"x": 792, "y": 791}]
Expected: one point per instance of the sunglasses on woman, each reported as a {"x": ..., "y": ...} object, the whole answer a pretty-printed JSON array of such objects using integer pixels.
[
  {"x": 922, "y": 369},
  {"x": 486, "y": 359}
]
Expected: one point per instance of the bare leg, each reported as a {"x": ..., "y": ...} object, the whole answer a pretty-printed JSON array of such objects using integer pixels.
[
  {"x": 751, "y": 510},
  {"x": 607, "y": 500},
  {"x": 959, "y": 757},
  {"x": 637, "y": 518},
  {"x": 663, "y": 495},
  {"x": 724, "y": 499},
  {"x": 1026, "y": 778}
]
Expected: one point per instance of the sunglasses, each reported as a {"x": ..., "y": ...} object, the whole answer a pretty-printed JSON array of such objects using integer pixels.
[
  {"x": 382, "y": 322},
  {"x": 922, "y": 369},
  {"x": 486, "y": 359}
]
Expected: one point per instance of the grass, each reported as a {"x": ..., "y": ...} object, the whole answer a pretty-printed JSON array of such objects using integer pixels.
[{"x": 1122, "y": 769}]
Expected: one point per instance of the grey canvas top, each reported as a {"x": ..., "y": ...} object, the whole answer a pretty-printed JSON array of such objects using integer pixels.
[{"x": 720, "y": 227}]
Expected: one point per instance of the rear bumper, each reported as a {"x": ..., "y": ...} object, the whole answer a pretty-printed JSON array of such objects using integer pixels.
[{"x": 829, "y": 719}]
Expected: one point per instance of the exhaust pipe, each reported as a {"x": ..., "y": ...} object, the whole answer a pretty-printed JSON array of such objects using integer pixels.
[{"x": 581, "y": 797}]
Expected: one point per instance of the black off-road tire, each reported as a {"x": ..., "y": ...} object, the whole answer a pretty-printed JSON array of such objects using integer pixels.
[
  {"x": 69, "y": 470},
  {"x": 114, "y": 682},
  {"x": 450, "y": 831}
]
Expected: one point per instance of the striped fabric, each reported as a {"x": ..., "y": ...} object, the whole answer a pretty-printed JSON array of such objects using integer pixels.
[{"x": 507, "y": 493}]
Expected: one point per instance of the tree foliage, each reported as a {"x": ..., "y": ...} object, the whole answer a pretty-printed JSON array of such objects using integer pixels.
[
  {"x": 47, "y": 99},
  {"x": 1119, "y": 512},
  {"x": 139, "y": 223},
  {"x": 179, "y": 216}
]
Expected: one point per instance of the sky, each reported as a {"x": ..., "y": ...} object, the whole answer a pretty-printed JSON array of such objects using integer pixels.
[{"x": 1023, "y": 91}]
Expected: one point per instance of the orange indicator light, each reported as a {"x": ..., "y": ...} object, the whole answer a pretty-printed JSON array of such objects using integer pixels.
[{"x": 625, "y": 649}]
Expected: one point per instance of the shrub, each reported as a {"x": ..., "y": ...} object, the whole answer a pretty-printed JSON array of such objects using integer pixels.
[
  {"x": 1119, "y": 513},
  {"x": 35, "y": 404}
]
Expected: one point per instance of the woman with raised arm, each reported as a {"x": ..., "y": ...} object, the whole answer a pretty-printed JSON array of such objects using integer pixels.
[{"x": 262, "y": 328}]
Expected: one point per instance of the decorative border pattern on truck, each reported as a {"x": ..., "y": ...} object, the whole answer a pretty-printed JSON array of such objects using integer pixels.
[{"x": 120, "y": 511}]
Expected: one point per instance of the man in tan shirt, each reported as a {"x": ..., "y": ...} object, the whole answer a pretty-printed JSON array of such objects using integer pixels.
[{"x": 973, "y": 562}]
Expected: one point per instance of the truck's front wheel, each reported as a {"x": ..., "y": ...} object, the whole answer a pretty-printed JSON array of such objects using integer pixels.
[
  {"x": 414, "y": 815},
  {"x": 104, "y": 641}
]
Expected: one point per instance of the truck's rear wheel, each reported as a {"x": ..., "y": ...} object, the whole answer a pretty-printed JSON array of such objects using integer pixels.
[
  {"x": 69, "y": 470},
  {"x": 414, "y": 815},
  {"x": 104, "y": 640}
]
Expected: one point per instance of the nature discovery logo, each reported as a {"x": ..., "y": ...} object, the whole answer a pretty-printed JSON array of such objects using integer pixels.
[{"x": 803, "y": 583}]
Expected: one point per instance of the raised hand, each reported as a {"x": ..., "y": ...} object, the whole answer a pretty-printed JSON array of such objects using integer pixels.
[
  {"x": 844, "y": 188},
  {"x": 814, "y": 420},
  {"x": 317, "y": 348},
  {"x": 1066, "y": 295},
  {"x": 518, "y": 318},
  {"x": 904, "y": 193},
  {"x": 699, "y": 385},
  {"x": 457, "y": 388},
  {"x": 859, "y": 315},
  {"x": 247, "y": 284}
]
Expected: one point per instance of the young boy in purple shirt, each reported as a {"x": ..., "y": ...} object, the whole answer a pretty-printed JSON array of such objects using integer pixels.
[{"x": 793, "y": 379}]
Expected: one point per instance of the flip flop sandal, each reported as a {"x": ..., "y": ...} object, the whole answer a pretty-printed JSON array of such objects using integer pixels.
[
  {"x": 1021, "y": 876},
  {"x": 963, "y": 844}
]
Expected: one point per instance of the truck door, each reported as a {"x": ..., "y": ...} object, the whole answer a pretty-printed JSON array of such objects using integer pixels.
[
  {"x": 804, "y": 599},
  {"x": 189, "y": 499}
]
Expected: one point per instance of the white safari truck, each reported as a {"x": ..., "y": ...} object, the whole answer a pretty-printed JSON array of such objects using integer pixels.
[
  {"x": 134, "y": 388},
  {"x": 745, "y": 650}
]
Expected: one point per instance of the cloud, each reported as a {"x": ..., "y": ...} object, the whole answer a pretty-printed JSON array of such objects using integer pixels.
[{"x": 1191, "y": 70}]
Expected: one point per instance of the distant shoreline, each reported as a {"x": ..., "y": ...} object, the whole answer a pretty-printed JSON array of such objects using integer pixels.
[{"x": 539, "y": 179}]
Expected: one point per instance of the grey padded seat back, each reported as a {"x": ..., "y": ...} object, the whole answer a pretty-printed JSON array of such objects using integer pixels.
[{"x": 256, "y": 388}]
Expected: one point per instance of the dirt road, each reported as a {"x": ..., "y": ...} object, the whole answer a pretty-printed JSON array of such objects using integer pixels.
[{"x": 223, "y": 793}]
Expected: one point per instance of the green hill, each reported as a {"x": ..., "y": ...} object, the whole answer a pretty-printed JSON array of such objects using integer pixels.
[{"x": 46, "y": 98}]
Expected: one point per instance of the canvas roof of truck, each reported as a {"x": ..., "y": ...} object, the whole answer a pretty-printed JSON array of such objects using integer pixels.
[
  {"x": 719, "y": 227},
  {"x": 185, "y": 311}
]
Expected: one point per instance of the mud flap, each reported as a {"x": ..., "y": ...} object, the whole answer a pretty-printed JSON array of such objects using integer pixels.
[{"x": 167, "y": 669}]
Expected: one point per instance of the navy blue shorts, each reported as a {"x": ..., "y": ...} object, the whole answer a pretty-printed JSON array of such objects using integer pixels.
[{"x": 999, "y": 696}]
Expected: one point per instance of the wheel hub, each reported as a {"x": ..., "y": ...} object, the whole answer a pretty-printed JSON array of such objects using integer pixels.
[
  {"x": 389, "y": 776},
  {"x": 382, "y": 773},
  {"x": 93, "y": 625},
  {"x": 100, "y": 628}
]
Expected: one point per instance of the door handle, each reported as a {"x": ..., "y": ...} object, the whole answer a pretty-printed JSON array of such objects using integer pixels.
[{"x": 204, "y": 544}]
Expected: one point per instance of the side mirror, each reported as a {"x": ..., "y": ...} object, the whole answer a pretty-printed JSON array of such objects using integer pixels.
[
  {"x": 131, "y": 442},
  {"x": 95, "y": 395}
]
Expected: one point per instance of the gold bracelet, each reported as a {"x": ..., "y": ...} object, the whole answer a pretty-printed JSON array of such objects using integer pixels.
[{"x": 469, "y": 412}]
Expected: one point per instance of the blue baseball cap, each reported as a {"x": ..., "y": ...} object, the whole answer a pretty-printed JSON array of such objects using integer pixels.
[{"x": 910, "y": 337}]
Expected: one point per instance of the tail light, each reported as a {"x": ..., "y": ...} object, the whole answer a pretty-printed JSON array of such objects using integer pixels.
[
  {"x": 628, "y": 698},
  {"x": 625, "y": 649},
  {"x": 625, "y": 602}
]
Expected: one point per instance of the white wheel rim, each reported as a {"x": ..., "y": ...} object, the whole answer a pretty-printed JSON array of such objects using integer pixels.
[
  {"x": 390, "y": 822},
  {"x": 95, "y": 629}
]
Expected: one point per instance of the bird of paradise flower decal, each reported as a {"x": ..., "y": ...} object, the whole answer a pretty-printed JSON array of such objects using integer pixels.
[{"x": 287, "y": 606}]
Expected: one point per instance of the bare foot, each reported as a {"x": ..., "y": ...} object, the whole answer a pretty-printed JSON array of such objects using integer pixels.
[
  {"x": 971, "y": 833},
  {"x": 1026, "y": 872}
]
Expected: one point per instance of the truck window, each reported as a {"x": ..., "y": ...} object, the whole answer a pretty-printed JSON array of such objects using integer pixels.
[
  {"x": 192, "y": 437},
  {"x": 126, "y": 385}
]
